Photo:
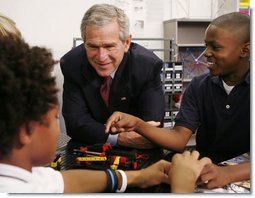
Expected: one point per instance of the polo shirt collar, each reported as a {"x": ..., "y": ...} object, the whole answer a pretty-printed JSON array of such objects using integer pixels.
[
  {"x": 15, "y": 173},
  {"x": 217, "y": 79}
]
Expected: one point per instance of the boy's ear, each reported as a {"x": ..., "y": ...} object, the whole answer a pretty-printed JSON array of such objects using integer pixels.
[
  {"x": 25, "y": 134},
  {"x": 245, "y": 51}
]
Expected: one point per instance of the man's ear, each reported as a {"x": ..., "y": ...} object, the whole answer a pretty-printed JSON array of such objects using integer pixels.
[
  {"x": 245, "y": 51},
  {"x": 127, "y": 42}
]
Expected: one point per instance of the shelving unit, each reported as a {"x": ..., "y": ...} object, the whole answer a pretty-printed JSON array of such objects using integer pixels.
[
  {"x": 171, "y": 76},
  {"x": 173, "y": 84},
  {"x": 157, "y": 46},
  {"x": 188, "y": 35}
]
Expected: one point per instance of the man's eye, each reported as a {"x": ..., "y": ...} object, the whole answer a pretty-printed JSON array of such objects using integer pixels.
[
  {"x": 92, "y": 47},
  {"x": 110, "y": 48}
]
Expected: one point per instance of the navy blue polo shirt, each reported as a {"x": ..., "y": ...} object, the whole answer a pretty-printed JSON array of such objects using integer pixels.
[{"x": 221, "y": 121}]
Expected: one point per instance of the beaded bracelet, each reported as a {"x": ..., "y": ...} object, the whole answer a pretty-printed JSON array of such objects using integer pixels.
[
  {"x": 124, "y": 181},
  {"x": 112, "y": 181}
]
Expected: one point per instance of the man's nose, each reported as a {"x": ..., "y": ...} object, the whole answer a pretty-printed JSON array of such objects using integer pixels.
[{"x": 102, "y": 53}]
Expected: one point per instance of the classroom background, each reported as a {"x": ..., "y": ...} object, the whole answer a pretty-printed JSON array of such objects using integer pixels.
[{"x": 55, "y": 23}]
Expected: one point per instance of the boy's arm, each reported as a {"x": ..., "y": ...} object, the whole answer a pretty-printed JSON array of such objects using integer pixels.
[
  {"x": 214, "y": 176},
  {"x": 171, "y": 139},
  {"x": 96, "y": 181}
]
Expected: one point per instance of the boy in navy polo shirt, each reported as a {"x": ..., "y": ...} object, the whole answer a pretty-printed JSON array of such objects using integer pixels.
[{"x": 215, "y": 106}]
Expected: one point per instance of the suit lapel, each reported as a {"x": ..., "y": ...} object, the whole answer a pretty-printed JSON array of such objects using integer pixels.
[
  {"x": 90, "y": 86},
  {"x": 121, "y": 86}
]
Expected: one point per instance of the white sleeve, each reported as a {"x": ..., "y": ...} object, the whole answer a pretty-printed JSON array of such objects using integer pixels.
[{"x": 47, "y": 180}]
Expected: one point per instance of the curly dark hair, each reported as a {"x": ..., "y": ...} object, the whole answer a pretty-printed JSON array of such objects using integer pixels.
[{"x": 27, "y": 88}]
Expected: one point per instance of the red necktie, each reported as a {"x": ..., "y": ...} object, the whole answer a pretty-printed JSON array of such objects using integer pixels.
[{"x": 105, "y": 89}]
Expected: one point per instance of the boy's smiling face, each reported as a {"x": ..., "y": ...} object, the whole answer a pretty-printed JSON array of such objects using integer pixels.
[{"x": 223, "y": 51}]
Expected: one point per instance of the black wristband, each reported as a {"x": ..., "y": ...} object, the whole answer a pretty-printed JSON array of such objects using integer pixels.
[{"x": 112, "y": 181}]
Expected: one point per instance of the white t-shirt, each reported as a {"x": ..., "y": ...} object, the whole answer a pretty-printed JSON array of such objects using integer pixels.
[
  {"x": 227, "y": 87},
  {"x": 42, "y": 180}
]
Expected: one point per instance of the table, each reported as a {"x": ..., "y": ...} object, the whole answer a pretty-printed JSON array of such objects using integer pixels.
[
  {"x": 66, "y": 149},
  {"x": 67, "y": 146}
]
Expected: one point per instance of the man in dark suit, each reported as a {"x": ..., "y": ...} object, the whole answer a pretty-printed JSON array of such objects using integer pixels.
[{"x": 135, "y": 84}]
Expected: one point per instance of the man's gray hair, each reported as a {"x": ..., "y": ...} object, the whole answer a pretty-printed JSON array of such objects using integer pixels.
[{"x": 103, "y": 14}]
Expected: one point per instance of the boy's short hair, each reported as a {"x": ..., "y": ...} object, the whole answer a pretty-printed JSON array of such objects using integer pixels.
[
  {"x": 235, "y": 22},
  {"x": 27, "y": 88}
]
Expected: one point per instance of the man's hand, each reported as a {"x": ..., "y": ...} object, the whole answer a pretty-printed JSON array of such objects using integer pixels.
[
  {"x": 153, "y": 123},
  {"x": 134, "y": 140},
  {"x": 120, "y": 122},
  {"x": 125, "y": 125}
]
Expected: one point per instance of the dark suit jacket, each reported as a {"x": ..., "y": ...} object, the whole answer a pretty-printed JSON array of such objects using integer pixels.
[{"x": 136, "y": 89}]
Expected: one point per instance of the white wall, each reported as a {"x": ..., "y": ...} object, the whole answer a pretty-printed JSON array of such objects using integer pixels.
[
  {"x": 54, "y": 23},
  {"x": 49, "y": 23},
  {"x": 201, "y": 9}
]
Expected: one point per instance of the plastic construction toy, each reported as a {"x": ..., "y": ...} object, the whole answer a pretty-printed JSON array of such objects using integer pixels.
[
  {"x": 91, "y": 159},
  {"x": 104, "y": 156},
  {"x": 56, "y": 164}
]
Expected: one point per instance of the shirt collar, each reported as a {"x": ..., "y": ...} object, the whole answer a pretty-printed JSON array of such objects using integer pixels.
[
  {"x": 15, "y": 172},
  {"x": 113, "y": 73},
  {"x": 217, "y": 79}
]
